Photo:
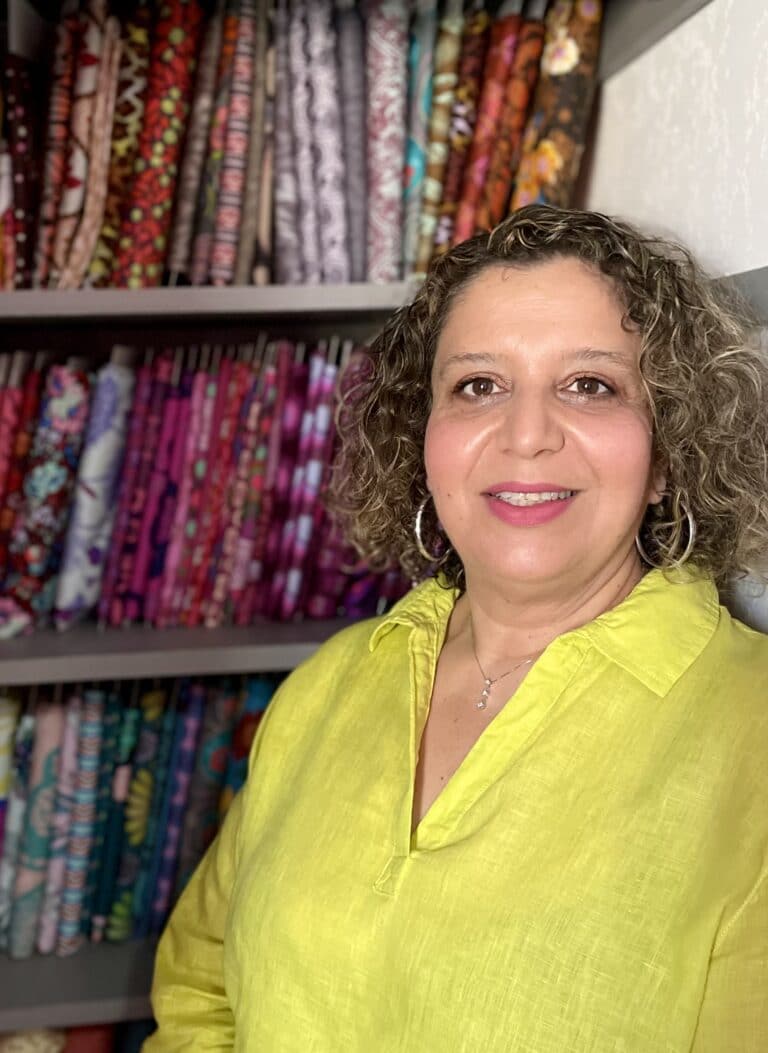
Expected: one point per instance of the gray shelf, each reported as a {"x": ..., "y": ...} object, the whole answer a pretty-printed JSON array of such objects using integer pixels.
[
  {"x": 754, "y": 286},
  {"x": 85, "y": 653},
  {"x": 253, "y": 302},
  {"x": 633, "y": 26},
  {"x": 98, "y": 985}
]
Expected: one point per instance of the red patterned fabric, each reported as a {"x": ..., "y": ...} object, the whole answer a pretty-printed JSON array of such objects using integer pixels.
[
  {"x": 504, "y": 34},
  {"x": 55, "y": 164},
  {"x": 146, "y": 222}
]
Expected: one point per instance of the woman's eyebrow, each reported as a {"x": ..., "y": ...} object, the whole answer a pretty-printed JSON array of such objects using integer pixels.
[
  {"x": 596, "y": 354},
  {"x": 466, "y": 357},
  {"x": 586, "y": 354}
]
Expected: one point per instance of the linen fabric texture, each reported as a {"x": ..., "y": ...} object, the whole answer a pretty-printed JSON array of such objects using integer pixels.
[{"x": 593, "y": 877}]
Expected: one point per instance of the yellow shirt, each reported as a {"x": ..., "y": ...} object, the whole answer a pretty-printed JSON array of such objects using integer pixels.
[{"x": 592, "y": 879}]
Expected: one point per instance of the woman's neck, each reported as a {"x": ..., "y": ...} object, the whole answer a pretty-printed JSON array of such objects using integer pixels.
[{"x": 511, "y": 622}]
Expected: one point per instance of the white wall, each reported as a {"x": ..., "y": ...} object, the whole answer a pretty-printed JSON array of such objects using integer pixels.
[{"x": 682, "y": 139}]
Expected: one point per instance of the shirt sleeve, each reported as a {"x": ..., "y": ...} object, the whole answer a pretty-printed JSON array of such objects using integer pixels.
[
  {"x": 734, "y": 1011},
  {"x": 188, "y": 997}
]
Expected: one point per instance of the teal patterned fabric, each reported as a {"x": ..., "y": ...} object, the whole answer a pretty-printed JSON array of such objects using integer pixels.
[{"x": 35, "y": 843}]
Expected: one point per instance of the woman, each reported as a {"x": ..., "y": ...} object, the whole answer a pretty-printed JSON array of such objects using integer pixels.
[{"x": 526, "y": 809}]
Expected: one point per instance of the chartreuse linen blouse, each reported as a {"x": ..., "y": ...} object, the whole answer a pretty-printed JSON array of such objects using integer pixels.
[{"x": 592, "y": 877}]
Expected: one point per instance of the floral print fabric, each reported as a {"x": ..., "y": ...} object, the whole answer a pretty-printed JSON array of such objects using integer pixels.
[{"x": 554, "y": 138}]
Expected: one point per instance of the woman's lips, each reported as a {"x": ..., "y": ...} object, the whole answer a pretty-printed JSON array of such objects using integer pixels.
[{"x": 530, "y": 515}]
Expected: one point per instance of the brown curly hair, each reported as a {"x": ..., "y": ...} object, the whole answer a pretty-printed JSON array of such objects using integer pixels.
[{"x": 705, "y": 381}]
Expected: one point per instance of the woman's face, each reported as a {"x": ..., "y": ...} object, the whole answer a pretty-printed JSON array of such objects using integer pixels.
[{"x": 536, "y": 386}]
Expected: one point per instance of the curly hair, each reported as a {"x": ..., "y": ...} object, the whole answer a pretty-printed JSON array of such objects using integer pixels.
[{"x": 705, "y": 380}]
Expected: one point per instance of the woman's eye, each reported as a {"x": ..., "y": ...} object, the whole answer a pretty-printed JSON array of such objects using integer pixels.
[
  {"x": 477, "y": 387},
  {"x": 590, "y": 386}
]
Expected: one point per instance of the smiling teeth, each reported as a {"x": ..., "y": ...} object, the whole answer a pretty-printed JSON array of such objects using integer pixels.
[{"x": 522, "y": 500}]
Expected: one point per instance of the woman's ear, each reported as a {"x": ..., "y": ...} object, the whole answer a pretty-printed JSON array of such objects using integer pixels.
[{"x": 658, "y": 486}]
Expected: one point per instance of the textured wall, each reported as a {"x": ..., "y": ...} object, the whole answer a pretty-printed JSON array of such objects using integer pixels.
[{"x": 682, "y": 139}]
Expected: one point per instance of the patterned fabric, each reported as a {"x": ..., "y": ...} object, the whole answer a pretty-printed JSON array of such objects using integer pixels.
[
  {"x": 309, "y": 510},
  {"x": 303, "y": 154},
  {"x": 110, "y": 731},
  {"x": 36, "y": 1041},
  {"x": 287, "y": 553},
  {"x": 7, "y": 225},
  {"x": 9, "y": 715},
  {"x": 194, "y": 149},
  {"x": 249, "y": 227},
  {"x": 35, "y": 843},
  {"x": 94, "y": 506},
  {"x": 325, "y": 111},
  {"x": 137, "y": 808},
  {"x": 194, "y": 493},
  {"x": 127, "y": 600},
  {"x": 254, "y": 596},
  {"x": 91, "y": 18},
  {"x": 152, "y": 843},
  {"x": 444, "y": 81},
  {"x": 167, "y": 611},
  {"x": 21, "y": 123},
  {"x": 386, "y": 58},
  {"x": 15, "y": 818},
  {"x": 137, "y": 419},
  {"x": 82, "y": 821},
  {"x": 474, "y": 45},
  {"x": 64, "y": 801},
  {"x": 554, "y": 138},
  {"x": 38, "y": 533},
  {"x": 126, "y": 129},
  {"x": 167, "y": 481},
  {"x": 208, "y": 189},
  {"x": 288, "y": 265},
  {"x": 158, "y": 504},
  {"x": 115, "y": 820},
  {"x": 290, "y": 434},
  {"x": 11, "y": 403},
  {"x": 420, "y": 59},
  {"x": 57, "y": 138},
  {"x": 22, "y": 444},
  {"x": 351, "y": 59},
  {"x": 504, "y": 34},
  {"x": 146, "y": 219},
  {"x": 211, "y": 494},
  {"x": 182, "y": 764},
  {"x": 239, "y": 589},
  {"x": 258, "y": 692},
  {"x": 262, "y": 260},
  {"x": 86, "y": 235},
  {"x": 229, "y": 204},
  {"x": 247, "y": 434},
  {"x": 506, "y": 151},
  {"x": 202, "y": 815}
]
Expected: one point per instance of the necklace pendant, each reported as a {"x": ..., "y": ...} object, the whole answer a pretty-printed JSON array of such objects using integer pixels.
[{"x": 482, "y": 703}]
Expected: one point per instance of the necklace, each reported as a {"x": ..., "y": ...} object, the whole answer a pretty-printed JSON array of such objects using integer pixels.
[{"x": 482, "y": 702}]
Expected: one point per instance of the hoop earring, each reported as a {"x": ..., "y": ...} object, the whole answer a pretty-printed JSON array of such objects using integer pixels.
[
  {"x": 423, "y": 550},
  {"x": 688, "y": 548}
]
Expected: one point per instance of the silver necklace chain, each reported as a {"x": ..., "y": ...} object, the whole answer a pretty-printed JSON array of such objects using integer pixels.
[{"x": 482, "y": 702}]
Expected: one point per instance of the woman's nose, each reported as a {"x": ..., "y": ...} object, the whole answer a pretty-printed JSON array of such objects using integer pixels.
[{"x": 531, "y": 424}]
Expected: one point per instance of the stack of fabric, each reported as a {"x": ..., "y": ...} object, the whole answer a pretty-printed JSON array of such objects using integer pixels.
[
  {"x": 183, "y": 487},
  {"x": 97, "y": 1038},
  {"x": 291, "y": 141},
  {"x": 109, "y": 796}
]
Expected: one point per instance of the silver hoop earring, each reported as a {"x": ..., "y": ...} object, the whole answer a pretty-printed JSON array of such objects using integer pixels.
[
  {"x": 423, "y": 550},
  {"x": 688, "y": 548}
]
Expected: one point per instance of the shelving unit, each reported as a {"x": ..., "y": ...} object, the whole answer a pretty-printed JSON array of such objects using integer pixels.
[
  {"x": 86, "y": 653},
  {"x": 99, "y": 984}
]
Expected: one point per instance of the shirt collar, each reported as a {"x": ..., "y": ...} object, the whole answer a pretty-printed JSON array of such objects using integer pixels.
[{"x": 655, "y": 633}]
